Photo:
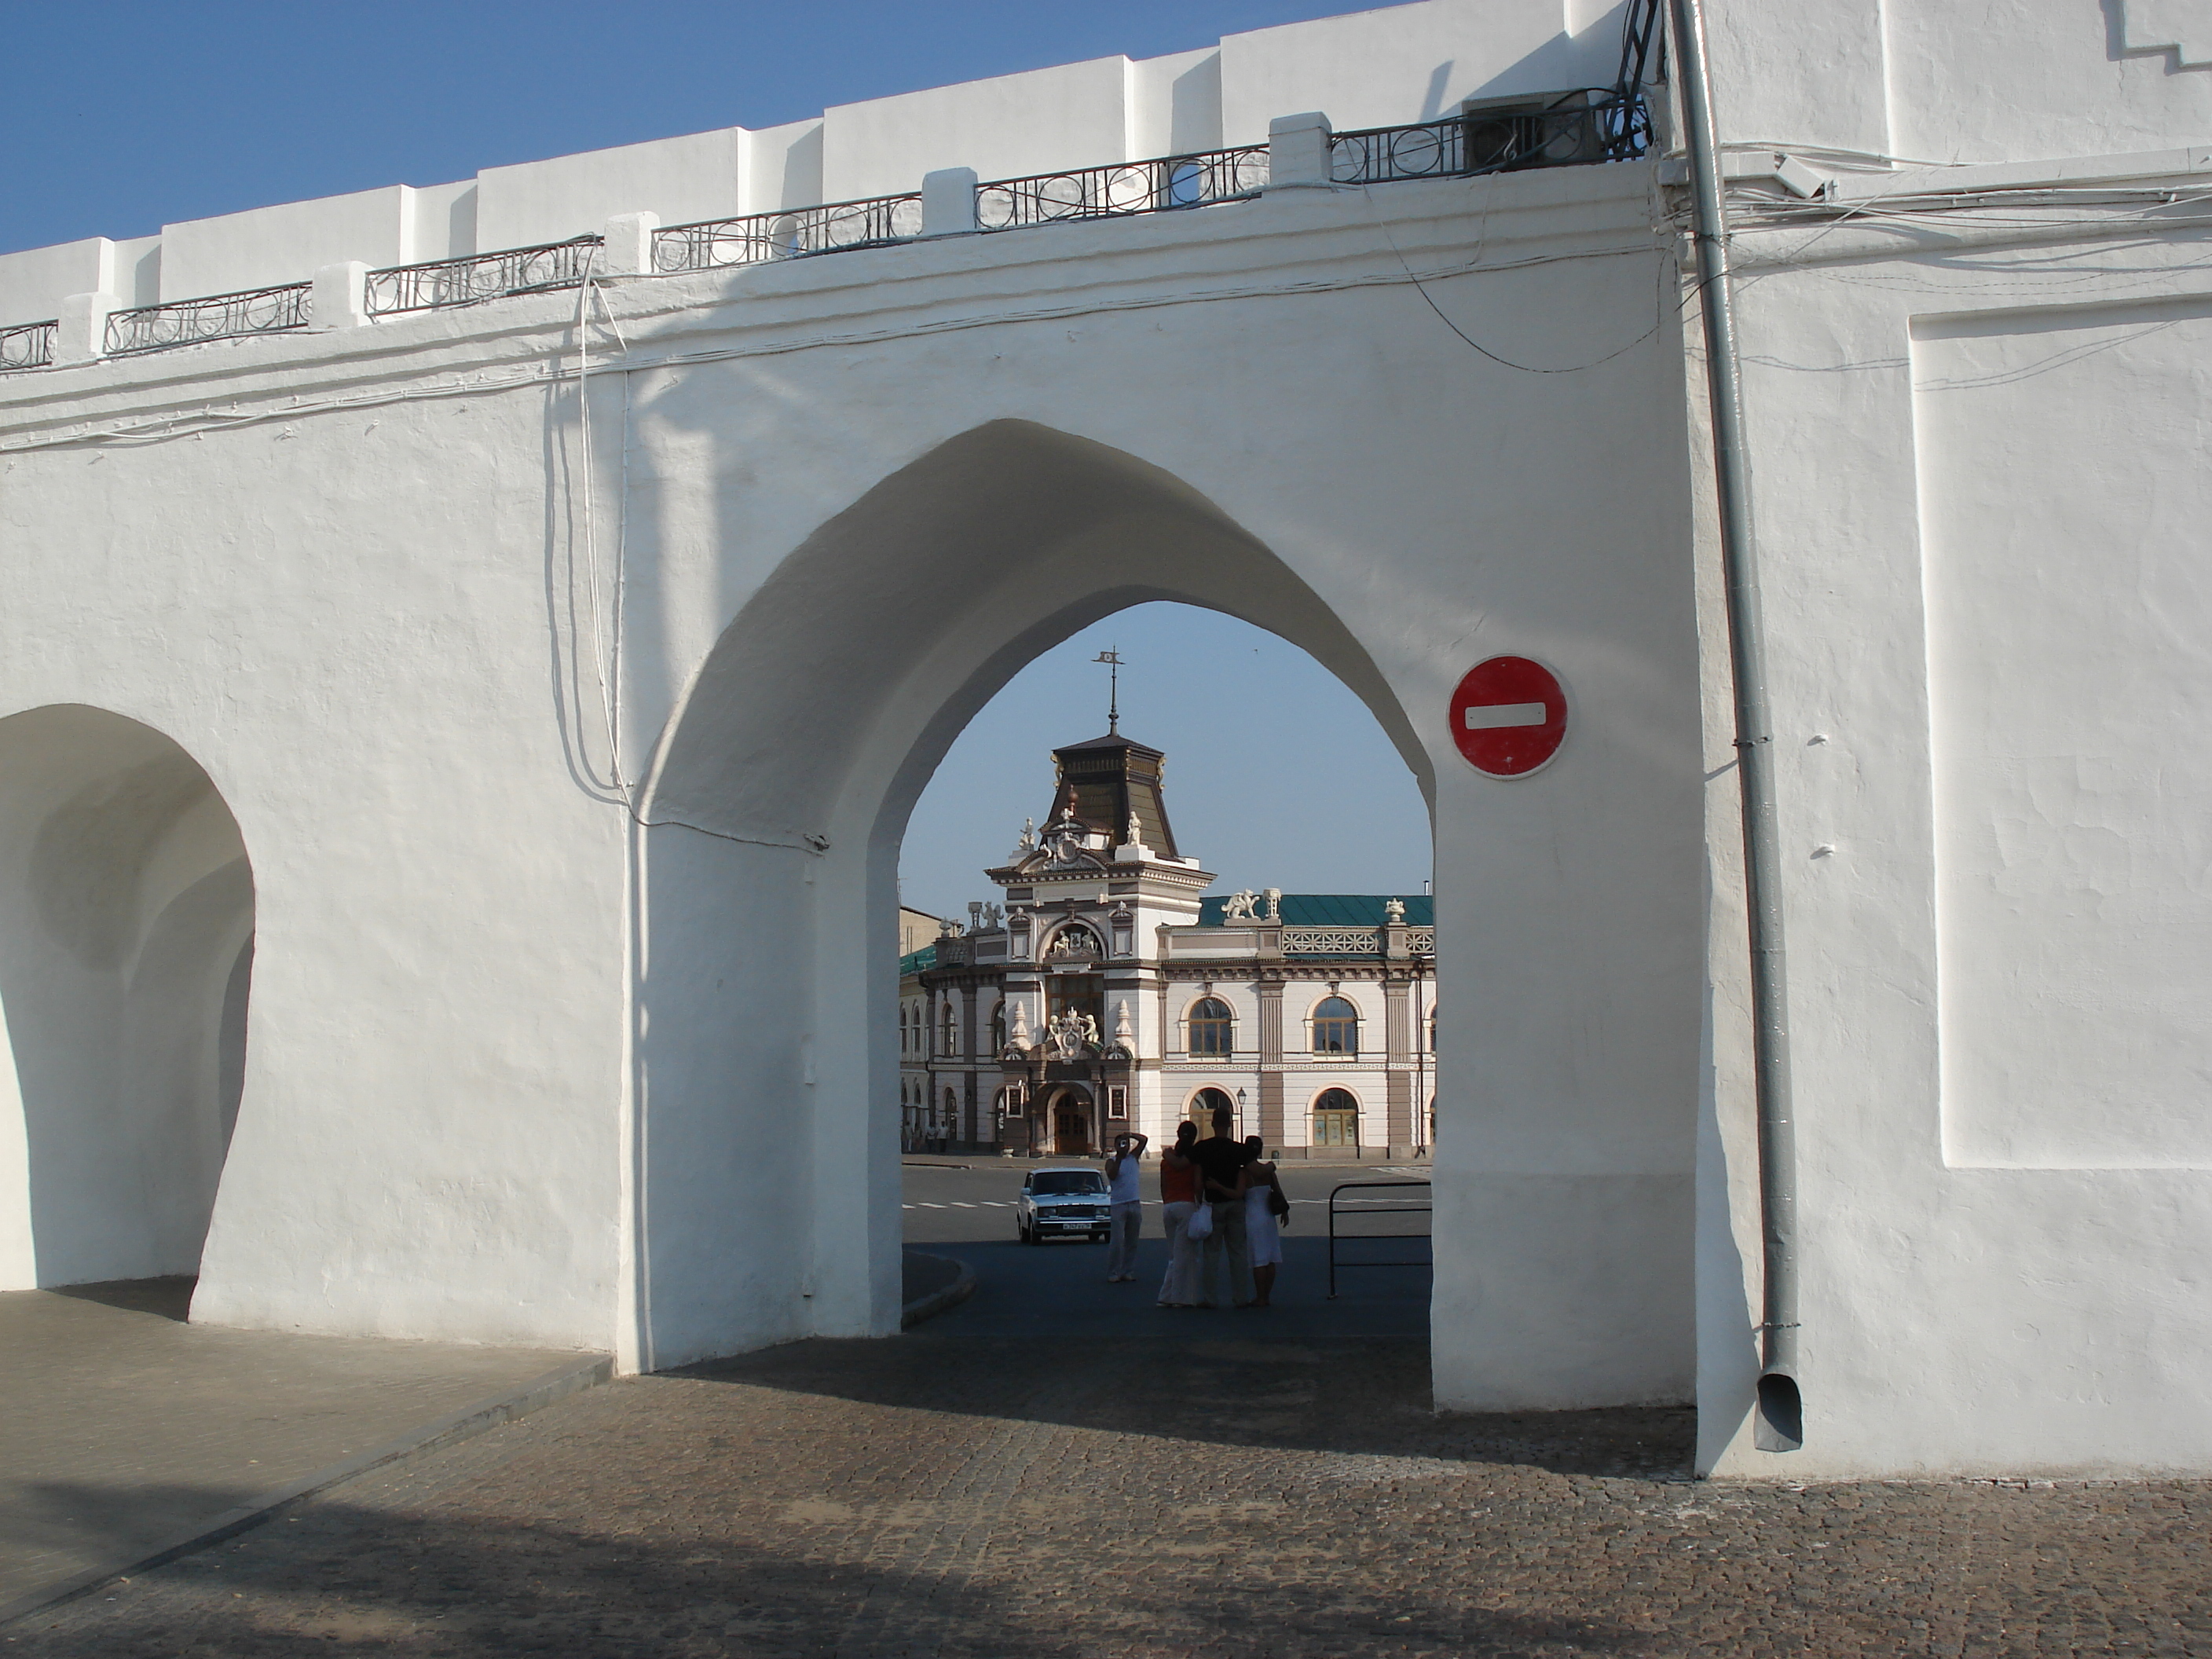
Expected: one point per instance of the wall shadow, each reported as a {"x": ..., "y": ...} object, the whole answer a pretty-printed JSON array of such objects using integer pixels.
[
  {"x": 168, "y": 1298},
  {"x": 1220, "y": 1381},
  {"x": 364, "y": 1580}
]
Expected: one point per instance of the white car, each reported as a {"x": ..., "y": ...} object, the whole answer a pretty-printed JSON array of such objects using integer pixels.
[{"x": 1063, "y": 1204}]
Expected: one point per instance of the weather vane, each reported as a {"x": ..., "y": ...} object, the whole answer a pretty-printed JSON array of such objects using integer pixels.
[{"x": 1113, "y": 661}]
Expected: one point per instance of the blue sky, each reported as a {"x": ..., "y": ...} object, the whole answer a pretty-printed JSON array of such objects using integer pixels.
[
  {"x": 126, "y": 115},
  {"x": 1277, "y": 775}
]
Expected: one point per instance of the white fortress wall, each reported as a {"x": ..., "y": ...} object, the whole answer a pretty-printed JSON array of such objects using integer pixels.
[
  {"x": 1931, "y": 81},
  {"x": 1175, "y": 103},
  {"x": 271, "y": 245},
  {"x": 1376, "y": 69},
  {"x": 1072, "y": 115},
  {"x": 782, "y": 167},
  {"x": 683, "y": 179},
  {"x": 32, "y": 282}
]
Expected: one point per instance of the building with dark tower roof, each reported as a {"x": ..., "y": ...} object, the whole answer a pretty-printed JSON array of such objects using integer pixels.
[{"x": 1103, "y": 991}]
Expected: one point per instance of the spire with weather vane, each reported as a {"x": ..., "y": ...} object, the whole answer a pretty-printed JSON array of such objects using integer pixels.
[{"x": 1113, "y": 661}]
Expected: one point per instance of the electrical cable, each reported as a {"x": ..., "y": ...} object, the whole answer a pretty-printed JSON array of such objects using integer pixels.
[
  {"x": 171, "y": 428},
  {"x": 1421, "y": 288}
]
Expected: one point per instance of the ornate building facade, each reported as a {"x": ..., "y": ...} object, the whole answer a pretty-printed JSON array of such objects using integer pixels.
[{"x": 1103, "y": 992}]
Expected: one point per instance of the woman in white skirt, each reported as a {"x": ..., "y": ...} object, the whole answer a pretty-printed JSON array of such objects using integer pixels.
[{"x": 1263, "y": 1198}]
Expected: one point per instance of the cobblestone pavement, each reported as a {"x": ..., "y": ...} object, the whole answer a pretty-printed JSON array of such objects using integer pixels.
[
  {"x": 123, "y": 1426},
  {"x": 1213, "y": 1488}
]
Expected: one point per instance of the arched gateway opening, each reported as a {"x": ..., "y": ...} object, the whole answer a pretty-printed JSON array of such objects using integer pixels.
[
  {"x": 126, "y": 945},
  {"x": 766, "y": 1178}
]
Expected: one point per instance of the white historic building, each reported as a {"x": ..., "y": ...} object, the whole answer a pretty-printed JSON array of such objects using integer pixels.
[
  {"x": 1105, "y": 993},
  {"x": 470, "y": 651}
]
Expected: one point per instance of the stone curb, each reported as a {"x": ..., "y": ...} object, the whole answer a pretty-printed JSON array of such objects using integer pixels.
[
  {"x": 463, "y": 1424},
  {"x": 929, "y": 1307}
]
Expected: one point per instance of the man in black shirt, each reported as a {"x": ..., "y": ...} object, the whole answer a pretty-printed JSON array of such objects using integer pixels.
[{"x": 1221, "y": 1162}]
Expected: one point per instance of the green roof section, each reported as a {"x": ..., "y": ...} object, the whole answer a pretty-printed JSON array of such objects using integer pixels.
[
  {"x": 916, "y": 962},
  {"x": 1334, "y": 909}
]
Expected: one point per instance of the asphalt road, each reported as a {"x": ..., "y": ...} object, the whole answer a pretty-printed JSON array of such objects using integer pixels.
[{"x": 968, "y": 1213}]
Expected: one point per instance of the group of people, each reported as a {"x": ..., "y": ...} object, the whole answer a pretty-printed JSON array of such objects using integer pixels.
[{"x": 1222, "y": 1207}]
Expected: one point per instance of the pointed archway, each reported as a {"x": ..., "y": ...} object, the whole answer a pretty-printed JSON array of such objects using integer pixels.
[{"x": 765, "y": 1178}]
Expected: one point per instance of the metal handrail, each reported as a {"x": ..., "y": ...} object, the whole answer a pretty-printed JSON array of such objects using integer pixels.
[
  {"x": 1166, "y": 183},
  {"x": 212, "y": 317},
  {"x": 28, "y": 345},
  {"x": 790, "y": 234},
  {"x": 1597, "y": 124},
  {"x": 1428, "y": 1209},
  {"x": 436, "y": 283}
]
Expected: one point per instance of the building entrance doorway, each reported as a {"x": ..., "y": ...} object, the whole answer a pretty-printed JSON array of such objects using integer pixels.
[{"x": 1070, "y": 1125}]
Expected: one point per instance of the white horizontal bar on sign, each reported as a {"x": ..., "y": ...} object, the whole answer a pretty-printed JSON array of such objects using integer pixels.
[{"x": 1490, "y": 716}]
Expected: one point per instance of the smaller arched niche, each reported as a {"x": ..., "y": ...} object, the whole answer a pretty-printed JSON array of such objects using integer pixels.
[{"x": 126, "y": 940}]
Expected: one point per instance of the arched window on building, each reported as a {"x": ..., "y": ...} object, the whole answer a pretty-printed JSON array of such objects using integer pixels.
[
  {"x": 1212, "y": 1030},
  {"x": 1336, "y": 1118},
  {"x": 998, "y": 1027},
  {"x": 1335, "y": 1027},
  {"x": 1205, "y": 1104},
  {"x": 948, "y": 1036}
]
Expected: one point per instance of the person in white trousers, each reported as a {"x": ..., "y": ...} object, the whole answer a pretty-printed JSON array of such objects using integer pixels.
[
  {"x": 1178, "y": 1198},
  {"x": 1128, "y": 1207}
]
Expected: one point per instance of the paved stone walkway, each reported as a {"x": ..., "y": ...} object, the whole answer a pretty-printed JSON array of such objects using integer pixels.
[
  {"x": 1215, "y": 1487},
  {"x": 121, "y": 1427}
]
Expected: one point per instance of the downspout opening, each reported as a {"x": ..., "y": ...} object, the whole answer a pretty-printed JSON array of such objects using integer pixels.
[{"x": 1780, "y": 1424}]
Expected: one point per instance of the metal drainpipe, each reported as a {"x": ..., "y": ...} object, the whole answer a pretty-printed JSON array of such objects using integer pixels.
[{"x": 1779, "y": 1426}]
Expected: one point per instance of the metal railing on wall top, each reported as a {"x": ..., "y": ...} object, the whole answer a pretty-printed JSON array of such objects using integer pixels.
[
  {"x": 28, "y": 345},
  {"x": 478, "y": 276},
  {"x": 1579, "y": 127},
  {"x": 215, "y": 316},
  {"x": 796, "y": 233},
  {"x": 1165, "y": 185}
]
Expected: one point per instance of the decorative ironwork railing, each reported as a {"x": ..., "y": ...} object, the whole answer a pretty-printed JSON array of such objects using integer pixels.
[
  {"x": 1422, "y": 941},
  {"x": 792, "y": 235},
  {"x": 479, "y": 276},
  {"x": 1164, "y": 185},
  {"x": 27, "y": 345},
  {"x": 216, "y": 317},
  {"x": 1576, "y": 127}
]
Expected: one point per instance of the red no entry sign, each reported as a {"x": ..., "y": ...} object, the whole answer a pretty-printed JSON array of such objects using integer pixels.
[{"x": 1509, "y": 716}]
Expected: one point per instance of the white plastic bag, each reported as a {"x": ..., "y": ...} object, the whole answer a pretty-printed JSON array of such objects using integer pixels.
[{"x": 1201, "y": 1224}]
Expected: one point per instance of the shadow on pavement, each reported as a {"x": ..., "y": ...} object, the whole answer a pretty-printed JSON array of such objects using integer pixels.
[
  {"x": 1043, "y": 1340},
  {"x": 367, "y": 1580},
  {"x": 169, "y": 1298}
]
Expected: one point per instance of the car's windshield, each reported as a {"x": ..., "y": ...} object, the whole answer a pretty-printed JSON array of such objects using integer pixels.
[{"x": 1059, "y": 1183}]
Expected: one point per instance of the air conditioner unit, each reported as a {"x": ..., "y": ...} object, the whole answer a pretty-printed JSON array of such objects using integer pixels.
[{"x": 1531, "y": 130}]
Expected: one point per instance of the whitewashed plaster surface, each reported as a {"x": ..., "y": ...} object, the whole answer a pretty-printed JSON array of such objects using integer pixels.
[{"x": 520, "y": 1068}]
